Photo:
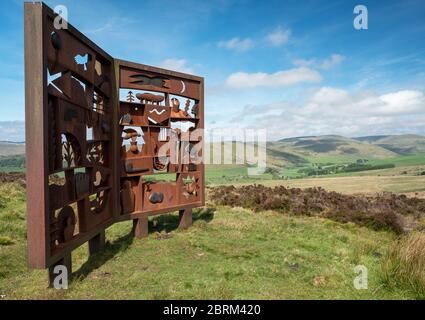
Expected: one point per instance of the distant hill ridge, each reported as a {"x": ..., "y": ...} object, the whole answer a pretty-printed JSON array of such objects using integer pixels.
[
  {"x": 401, "y": 144},
  {"x": 12, "y": 142},
  {"x": 8, "y": 148},
  {"x": 309, "y": 147},
  {"x": 303, "y": 149}
]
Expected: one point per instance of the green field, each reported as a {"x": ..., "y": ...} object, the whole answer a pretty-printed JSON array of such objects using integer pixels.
[
  {"x": 229, "y": 253},
  {"x": 14, "y": 163},
  {"x": 397, "y": 161},
  {"x": 413, "y": 165}
]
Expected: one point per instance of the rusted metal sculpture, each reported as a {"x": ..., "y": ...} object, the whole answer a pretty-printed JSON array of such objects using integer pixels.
[{"x": 73, "y": 92}]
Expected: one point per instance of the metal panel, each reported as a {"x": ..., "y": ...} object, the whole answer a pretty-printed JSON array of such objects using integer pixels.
[{"x": 80, "y": 177}]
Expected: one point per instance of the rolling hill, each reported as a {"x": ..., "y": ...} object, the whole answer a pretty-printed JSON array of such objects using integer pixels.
[
  {"x": 302, "y": 151},
  {"x": 333, "y": 145},
  {"x": 329, "y": 146},
  {"x": 401, "y": 144},
  {"x": 11, "y": 148}
]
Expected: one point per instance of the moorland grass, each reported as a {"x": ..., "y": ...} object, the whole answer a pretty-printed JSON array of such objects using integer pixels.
[
  {"x": 229, "y": 253},
  {"x": 404, "y": 264}
]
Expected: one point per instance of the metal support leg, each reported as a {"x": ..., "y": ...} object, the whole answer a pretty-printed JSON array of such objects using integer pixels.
[
  {"x": 140, "y": 227},
  {"x": 185, "y": 218}
]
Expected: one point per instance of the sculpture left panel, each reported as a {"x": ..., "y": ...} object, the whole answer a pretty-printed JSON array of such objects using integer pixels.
[{"x": 70, "y": 142}]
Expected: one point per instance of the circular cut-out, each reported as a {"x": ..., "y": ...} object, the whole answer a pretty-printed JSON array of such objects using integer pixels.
[{"x": 56, "y": 40}]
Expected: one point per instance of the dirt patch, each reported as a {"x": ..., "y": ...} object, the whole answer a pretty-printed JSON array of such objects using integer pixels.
[{"x": 382, "y": 211}]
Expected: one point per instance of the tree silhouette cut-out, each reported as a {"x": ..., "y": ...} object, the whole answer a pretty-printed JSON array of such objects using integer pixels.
[
  {"x": 70, "y": 156},
  {"x": 130, "y": 96}
]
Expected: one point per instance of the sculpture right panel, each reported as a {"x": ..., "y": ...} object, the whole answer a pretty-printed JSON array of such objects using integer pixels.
[{"x": 161, "y": 137}]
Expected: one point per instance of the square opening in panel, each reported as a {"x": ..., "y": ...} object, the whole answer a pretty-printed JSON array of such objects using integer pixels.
[
  {"x": 163, "y": 177},
  {"x": 183, "y": 108},
  {"x": 133, "y": 141}
]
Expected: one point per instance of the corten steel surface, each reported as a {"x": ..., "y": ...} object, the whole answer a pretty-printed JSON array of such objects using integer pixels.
[{"x": 109, "y": 128}]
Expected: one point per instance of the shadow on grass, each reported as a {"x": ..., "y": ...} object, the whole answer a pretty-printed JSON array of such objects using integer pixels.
[
  {"x": 170, "y": 222},
  {"x": 166, "y": 222},
  {"x": 97, "y": 260}
]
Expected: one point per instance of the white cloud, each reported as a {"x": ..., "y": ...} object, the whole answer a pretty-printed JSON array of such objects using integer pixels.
[
  {"x": 328, "y": 101},
  {"x": 334, "y": 60},
  {"x": 325, "y": 64},
  {"x": 277, "y": 79},
  {"x": 335, "y": 111},
  {"x": 278, "y": 36},
  {"x": 403, "y": 101},
  {"x": 237, "y": 44},
  {"x": 329, "y": 95},
  {"x": 176, "y": 65}
]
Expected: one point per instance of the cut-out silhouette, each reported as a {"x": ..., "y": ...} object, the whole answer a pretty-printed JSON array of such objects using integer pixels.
[{"x": 82, "y": 60}]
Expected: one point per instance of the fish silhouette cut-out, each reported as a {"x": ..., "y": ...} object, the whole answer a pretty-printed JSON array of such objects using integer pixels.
[{"x": 82, "y": 60}]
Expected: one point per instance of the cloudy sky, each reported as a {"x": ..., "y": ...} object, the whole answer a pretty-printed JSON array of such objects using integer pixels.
[{"x": 293, "y": 67}]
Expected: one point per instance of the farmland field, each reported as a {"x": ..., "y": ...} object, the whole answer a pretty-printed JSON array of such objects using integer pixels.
[
  {"x": 407, "y": 175},
  {"x": 357, "y": 184}
]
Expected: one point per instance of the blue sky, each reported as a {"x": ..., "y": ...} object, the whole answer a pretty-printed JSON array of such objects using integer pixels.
[{"x": 293, "y": 67}]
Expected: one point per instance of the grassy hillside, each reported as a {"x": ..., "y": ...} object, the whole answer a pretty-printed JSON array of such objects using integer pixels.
[
  {"x": 15, "y": 163},
  {"x": 229, "y": 253},
  {"x": 12, "y": 156},
  {"x": 296, "y": 150},
  {"x": 331, "y": 148},
  {"x": 302, "y": 157},
  {"x": 11, "y": 148},
  {"x": 332, "y": 145},
  {"x": 340, "y": 156},
  {"x": 401, "y": 144}
]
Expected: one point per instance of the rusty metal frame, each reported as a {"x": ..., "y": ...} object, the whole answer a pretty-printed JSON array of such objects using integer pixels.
[{"x": 62, "y": 217}]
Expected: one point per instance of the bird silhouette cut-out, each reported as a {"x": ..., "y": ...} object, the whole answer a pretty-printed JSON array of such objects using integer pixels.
[
  {"x": 145, "y": 80},
  {"x": 82, "y": 60}
]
